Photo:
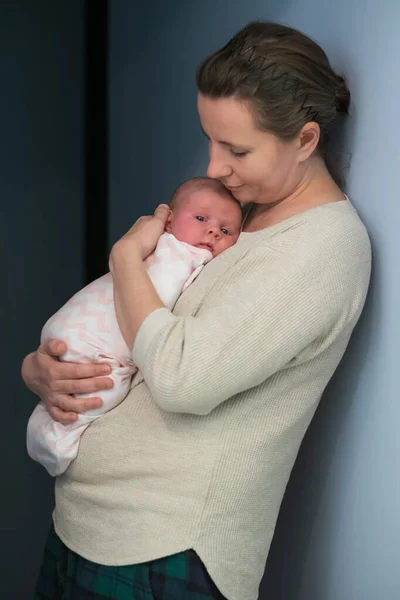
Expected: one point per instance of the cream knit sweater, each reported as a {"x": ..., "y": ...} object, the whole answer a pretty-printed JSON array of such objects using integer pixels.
[{"x": 200, "y": 452}]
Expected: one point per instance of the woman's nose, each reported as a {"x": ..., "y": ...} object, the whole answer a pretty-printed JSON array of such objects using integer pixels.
[{"x": 217, "y": 167}]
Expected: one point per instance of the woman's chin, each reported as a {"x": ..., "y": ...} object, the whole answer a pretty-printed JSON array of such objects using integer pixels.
[
  {"x": 238, "y": 191},
  {"x": 242, "y": 194}
]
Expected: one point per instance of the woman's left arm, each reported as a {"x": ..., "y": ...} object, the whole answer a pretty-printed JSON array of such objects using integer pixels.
[{"x": 135, "y": 297}]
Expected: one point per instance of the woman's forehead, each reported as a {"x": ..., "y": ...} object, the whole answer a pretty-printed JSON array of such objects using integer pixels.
[{"x": 225, "y": 117}]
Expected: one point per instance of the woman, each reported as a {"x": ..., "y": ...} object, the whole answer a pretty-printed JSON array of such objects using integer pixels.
[{"x": 176, "y": 492}]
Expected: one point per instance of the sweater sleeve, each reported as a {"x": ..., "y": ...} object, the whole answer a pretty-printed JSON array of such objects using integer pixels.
[{"x": 269, "y": 312}]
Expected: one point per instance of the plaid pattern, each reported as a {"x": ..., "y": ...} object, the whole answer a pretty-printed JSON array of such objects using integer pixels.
[{"x": 67, "y": 576}]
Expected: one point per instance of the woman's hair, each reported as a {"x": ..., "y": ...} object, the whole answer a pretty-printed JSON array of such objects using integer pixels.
[{"x": 285, "y": 77}]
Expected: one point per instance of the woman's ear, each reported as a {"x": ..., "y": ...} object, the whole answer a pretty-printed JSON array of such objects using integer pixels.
[
  {"x": 308, "y": 139},
  {"x": 168, "y": 223}
]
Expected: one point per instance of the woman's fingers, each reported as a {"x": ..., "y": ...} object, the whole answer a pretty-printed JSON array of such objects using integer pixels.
[
  {"x": 65, "y": 418},
  {"x": 85, "y": 404},
  {"x": 91, "y": 385},
  {"x": 68, "y": 371},
  {"x": 140, "y": 240},
  {"x": 53, "y": 348},
  {"x": 60, "y": 385},
  {"x": 162, "y": 211},
  {"x": 150, "y": 223},
  {"x": 77, "y": 405},
  {"x": 65, "y": 409},
  {"x": 58, "y": 371}
]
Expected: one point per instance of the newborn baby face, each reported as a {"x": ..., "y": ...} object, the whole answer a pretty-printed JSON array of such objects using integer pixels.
[{"x": 206, "y": 219}]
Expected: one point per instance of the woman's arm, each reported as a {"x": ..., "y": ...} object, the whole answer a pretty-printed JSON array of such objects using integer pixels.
[
  {"x": 135, "y": 297},
  {"x": 54, "y": 381},
  {"x": 57, "y": 383},
  {"x": 273, "y": 312}
]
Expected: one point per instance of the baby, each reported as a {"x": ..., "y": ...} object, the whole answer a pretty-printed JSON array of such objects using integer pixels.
[{"x": 204, "y": 221}]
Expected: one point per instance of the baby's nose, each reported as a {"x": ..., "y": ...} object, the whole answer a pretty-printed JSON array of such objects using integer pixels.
[{"x": 213, "y": 230}]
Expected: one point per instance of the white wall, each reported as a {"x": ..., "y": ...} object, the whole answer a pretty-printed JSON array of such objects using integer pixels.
[{"x": 339, "y": 530}]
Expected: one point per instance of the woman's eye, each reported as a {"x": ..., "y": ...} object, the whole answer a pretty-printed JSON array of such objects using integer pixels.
[
  {"x": 200, "y": 218},
  {"x": 238, "y": 154},
  {"x": 225, "y": 231}
]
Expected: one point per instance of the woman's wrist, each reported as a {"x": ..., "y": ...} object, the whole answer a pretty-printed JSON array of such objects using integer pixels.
[
  {"x": 134, "y": 294},
  {"x": 124, "y": 254}
]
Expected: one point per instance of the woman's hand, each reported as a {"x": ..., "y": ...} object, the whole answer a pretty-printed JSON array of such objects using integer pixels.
[
  {"x": 134, "y": 294},
  {"x": 55, "y": 382},
  {"x": 142, "y": 238}
]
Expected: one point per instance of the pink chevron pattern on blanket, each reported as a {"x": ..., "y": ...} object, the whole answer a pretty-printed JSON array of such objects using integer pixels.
[{"x": 89, "y": 326}]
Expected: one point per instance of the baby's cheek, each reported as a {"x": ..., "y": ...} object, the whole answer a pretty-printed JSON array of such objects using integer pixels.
[
  {"x": 176, "y": 228},
  {"x": 184, "y": 231},
  {"x": 228, "y": 243}
]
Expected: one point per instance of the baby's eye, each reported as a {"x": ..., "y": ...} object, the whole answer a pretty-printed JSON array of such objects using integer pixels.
[
  {"x": 225, "y": 231},
  {"x": 200, "y": 218}
]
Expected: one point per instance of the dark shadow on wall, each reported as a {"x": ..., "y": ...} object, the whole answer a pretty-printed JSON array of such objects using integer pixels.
[
  {"x": 96, "y": 139},
  {"x": 42, "y": 239}
]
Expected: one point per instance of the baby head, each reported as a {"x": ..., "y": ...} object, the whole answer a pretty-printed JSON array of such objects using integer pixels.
[{"x": 205, "y": 214}]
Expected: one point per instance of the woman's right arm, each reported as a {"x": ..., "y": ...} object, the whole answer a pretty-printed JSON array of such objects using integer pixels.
[
  {"x": 277, "y": 305},
  {"x": 55, "y": 382}
]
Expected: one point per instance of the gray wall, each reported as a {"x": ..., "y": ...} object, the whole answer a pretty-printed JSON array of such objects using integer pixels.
[
  {"x": 41, "y": 242},
  {"x": 339, "y": 531}
]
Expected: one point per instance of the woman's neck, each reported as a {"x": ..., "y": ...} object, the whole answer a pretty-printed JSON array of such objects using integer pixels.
[{"x": 314, "y": 191}]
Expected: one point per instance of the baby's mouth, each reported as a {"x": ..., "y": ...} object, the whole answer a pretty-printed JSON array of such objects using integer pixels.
[{"x": 206, "y": 246}]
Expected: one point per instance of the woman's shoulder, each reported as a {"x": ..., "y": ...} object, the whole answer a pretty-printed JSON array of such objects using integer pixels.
[
  {"x": 324, "y": 249},
  {"x": 329, "y": 242},
  {"x": 335, "y": 227}
]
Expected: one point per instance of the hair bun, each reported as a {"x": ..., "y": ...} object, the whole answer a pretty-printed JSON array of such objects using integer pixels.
[{"x": 342, "y": 96}]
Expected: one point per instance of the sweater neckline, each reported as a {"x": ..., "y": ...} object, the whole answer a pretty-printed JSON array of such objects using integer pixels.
[{"x": 306, "y": 213}]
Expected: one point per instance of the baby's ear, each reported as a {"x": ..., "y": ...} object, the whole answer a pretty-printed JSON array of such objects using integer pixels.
[{"x": 169, "y": 221}]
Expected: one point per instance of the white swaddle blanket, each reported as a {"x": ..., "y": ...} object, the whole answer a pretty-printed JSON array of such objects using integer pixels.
[{"x": 88, "y": 324}]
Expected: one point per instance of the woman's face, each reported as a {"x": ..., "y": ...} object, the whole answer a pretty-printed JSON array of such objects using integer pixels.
[{"x": 255, "y": 165}]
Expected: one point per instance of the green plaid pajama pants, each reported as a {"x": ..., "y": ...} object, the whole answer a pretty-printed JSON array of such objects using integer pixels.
[{"x": 67, "y": 576}]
